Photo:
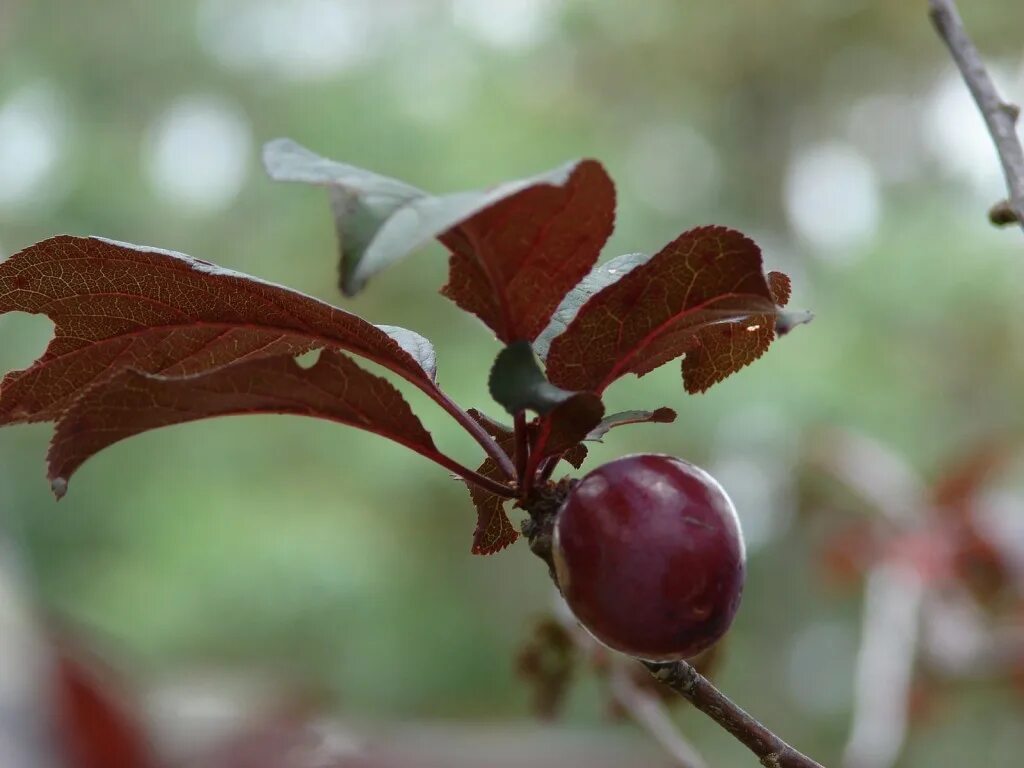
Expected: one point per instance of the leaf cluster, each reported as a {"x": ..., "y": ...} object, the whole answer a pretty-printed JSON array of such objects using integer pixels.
[{"x": 147, "y": 338}]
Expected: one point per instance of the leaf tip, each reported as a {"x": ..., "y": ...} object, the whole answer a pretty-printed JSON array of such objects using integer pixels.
[
  {"x": 663, "y": 415},
  {"x": 514, "y": 370},
  {"x": 780, "y": 287},
  {"x": 787, "y": 321},
  {"x": 59, "y": 486},
  {"x": 271, "y": 154},
  {"x": 484, "y": 549},
  {"x": 350, "y": 284}
]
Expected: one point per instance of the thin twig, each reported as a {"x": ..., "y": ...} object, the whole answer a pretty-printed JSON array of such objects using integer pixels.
[
  {"x": 772, "y": 751},
  {"x": 1000, "y": 116}
]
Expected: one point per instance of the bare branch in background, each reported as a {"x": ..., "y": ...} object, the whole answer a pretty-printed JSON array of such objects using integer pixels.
[
  {"x": 879, "y": 475},
  {"x": 642, "y": 707},
  {"x": 650, "y": 713},
  {"x": 904, "y": 616},
  {"x": 885, "y": 665},
  {"x": 957, "y": 638},
  {"x": 1000, "y": 116}
]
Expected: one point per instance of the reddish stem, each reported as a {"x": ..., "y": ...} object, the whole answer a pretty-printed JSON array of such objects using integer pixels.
[
  {"x": 488, "y": 443},
  {"x": 470, "y": 476},
  {"x": 522, "y": 443},
  {"x": 547, "y": 468}
]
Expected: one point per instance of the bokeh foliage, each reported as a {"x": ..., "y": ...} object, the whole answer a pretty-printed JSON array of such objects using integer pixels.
[{"x": 340, "y": 558}]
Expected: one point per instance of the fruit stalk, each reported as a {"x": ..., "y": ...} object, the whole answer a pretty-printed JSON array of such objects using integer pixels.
[
  {"x": 773, "y": 752},
  {"x": 542, "y": 506}
]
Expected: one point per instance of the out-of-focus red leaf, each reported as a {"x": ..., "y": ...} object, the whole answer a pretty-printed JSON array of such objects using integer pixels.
[
  {"x": 847, "y": 555},
  {"x": 494, "y": 531},
  {"x": 547, "y": 662},
  {"x": 512, "y": 263},
  {"x": 130, "y": 403},
  {"x": 704, "y": 296},
  {"x": 925, "y": 550},
  {"x": 926, "y": 700},
  {"x": 95, "y": 719},
  {"x": 981, "y": 565},
  {"x": 118, "y": 306},
  {"x": 956, "y": 489}
]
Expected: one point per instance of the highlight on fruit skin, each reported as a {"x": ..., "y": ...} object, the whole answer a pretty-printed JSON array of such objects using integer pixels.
[{"x": 649, "y": 556}]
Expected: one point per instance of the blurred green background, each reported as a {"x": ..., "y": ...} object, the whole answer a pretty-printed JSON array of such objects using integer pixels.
[{"x": 837, "y": 134}]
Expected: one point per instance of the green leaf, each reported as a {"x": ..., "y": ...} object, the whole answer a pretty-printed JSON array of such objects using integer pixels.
[
  {"x": 373, "y": 214},
  {"x": 517, "y": 382}
]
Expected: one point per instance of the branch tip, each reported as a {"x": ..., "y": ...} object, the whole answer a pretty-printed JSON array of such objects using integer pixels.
[{"x": 1000, "y": 115}]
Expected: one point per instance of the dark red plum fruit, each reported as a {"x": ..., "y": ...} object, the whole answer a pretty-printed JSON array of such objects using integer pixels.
[{"x": 650, "y": 557}]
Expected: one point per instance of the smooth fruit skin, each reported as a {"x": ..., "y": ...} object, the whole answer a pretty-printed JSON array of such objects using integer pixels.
[{"x": 650, "y": 557}]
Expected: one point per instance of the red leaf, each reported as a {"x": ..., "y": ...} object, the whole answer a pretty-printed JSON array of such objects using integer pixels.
[
  {"x": 513, "y": 262},
  {"x": 576, "y": 455},
  {"x": 494, "y": 531},
  {"x": 118, "y": 306},
  {"x": 95, "y": 722},
  {"x": 517, "y": 247},
  {"x": 703, "y": 295},
  {"x": 564, "y": 428},
  {"x": 781, "y": 287},
  {"x": 963, "y": 480},
  {"x": 131, "y": 403}
]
